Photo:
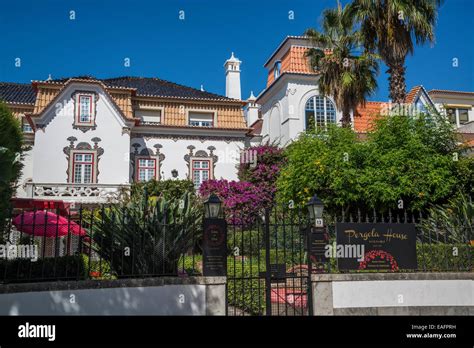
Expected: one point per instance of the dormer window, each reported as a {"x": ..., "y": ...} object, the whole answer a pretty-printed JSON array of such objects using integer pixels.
[
  {"x": 277, "y": 69},
  {"x": 149, "y": 116},
  {"x": 84, "y": 109},
  {"x": 201, "y": 118}
]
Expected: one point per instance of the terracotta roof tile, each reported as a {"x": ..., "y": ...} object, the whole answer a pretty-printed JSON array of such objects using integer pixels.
[
  {"x": 445, "y": 91},
  {"x": 365, "y": 116},
  {"x": 410, "y": 97}
]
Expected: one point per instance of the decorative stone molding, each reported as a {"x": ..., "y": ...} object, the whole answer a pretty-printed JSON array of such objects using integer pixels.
[
  {"x": 68, "y": 150},
  {"x": 146, "y": 152},
  {"x": 200, "y": 155},
  {"x": 175, "y": 138},
  {"x": 82, "y": 127},
  {"x": 87, "y": 193}
]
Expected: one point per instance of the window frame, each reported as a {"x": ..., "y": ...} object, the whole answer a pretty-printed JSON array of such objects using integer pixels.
[
  {"x": 72, "y": 168},
  {"x": 160, "y": 109},
  {"x": 209, "y": 169},
  {"x": 24, "y": 122},
  {"x": 137, "y": 167},
  {"x": 276, "y": 69},
  {"x": 326, "y": 112},
  {"x": 93, "y": 97},
  {"x": 202, "y": 111}
]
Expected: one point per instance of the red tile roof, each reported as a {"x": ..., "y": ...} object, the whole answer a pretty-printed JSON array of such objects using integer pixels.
[
  {"x": 364, "y": 116},
  {"x": 410, "y": 97}
]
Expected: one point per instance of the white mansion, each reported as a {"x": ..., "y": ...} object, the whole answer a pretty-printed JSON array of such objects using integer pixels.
[{"x": 90, "y": 137}]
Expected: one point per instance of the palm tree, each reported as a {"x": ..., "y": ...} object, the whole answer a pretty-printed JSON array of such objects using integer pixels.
[
  {"x": 345, "y": 72},
  {"x": 389, "y": 27}
]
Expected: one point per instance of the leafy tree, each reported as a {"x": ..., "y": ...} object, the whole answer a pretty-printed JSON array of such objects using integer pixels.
[
  {"x": 168, "y": 189},
  {"x": 11, "y": 148},
  {"x": 346, "y": 74},
  {"x": 411, "y": 159},
  {"x": 389, "y": 27}
]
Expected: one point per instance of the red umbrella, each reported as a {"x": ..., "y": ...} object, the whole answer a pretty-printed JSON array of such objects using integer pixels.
[{"x": 46, "y": 224}]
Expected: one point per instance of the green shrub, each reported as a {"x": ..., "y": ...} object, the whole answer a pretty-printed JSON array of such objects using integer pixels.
[
  {"x": 148, "y": 237},
  {"x": 403, "y": 158},
  {"x": 247, "y": 294},
  {"x": 11, "y": 149},
  {"x": 439, "y": 257},
  {"x": 168, "y": 189},
  {"x": 23, "y": 270}
]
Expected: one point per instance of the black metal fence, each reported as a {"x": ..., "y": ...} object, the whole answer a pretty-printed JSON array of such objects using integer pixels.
[
  {"x": 268, "y": 263},
  {"x": 106, "y": 242}
]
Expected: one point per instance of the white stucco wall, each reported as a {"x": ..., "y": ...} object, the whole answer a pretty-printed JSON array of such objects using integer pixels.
[
  {"x": 286, "y": 101},
  {"x": 50, "y": 164},
  {"x": 389, "y": 293},
  {"x": 26, "y": 173},
  {"x": 174, "y": 151}
]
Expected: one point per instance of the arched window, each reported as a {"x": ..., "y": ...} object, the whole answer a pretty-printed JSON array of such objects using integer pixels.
[{"x": 319, "y": 112}]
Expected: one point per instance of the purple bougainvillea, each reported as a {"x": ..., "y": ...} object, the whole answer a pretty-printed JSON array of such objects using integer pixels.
[{"x": 244, "y": 200}]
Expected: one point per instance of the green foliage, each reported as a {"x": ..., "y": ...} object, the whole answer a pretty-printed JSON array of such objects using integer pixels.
[
  {"x": 439, "y": 257},
  {"x": 244, "y": 290},
  {"x": 168, "y": 189},
  {"x": 403, "y": 158},
  {"x": 345, "y": 74},
  {"x": 11, "y": 148},
  {"x": 156, "y": 232},
  {"x": 452, "y": 222},
  {"x": 65, "y": 267}
]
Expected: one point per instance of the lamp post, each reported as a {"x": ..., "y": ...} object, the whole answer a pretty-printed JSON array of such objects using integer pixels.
[
  {"x": 317, "y": 235},
  {"x": 212, "y": 207},
  {"x": 316, "y": 208},
  {"x": 214, "y": 246}
]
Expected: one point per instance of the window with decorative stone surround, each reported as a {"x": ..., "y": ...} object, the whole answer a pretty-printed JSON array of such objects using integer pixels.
[
  {"x": 85, "y": 109},
  {"x": 146, "y": 168},
  {"x": 201, "y": 165},
  {"x": 146, "y": 162},
  {"x": 83, "y": 161}
]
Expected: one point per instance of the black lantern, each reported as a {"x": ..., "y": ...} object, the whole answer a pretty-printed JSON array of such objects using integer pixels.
[
  {"x": 212, "y": 207},
  {"x": 315, "y": 208},
  {"x": 174, "y": 173}
]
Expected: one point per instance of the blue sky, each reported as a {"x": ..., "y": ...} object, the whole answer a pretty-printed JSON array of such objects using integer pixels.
[{"x": 192, "y": 51}]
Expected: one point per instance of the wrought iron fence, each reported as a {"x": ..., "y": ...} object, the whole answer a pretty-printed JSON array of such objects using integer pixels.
[
  {"x": 102, "y": 242},
  {"x": 268, "y": 267},
  {"x": 270, "y": 259}
]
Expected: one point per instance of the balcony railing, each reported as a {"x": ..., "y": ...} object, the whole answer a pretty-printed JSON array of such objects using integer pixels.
[{"x": 80, "y": 193}]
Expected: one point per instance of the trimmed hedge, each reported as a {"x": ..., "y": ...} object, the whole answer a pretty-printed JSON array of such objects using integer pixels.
[
  {"x": 24, "y": 270},
  {"x": 441, "y": 257},
  {"x": 73, "y": 267}
]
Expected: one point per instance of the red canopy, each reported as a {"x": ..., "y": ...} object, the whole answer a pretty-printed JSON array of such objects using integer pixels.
[{"x": 46, "y": 224}]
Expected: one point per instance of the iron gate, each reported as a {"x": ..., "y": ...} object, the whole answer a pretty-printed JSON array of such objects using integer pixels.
[{"x": 268, "y": 272}]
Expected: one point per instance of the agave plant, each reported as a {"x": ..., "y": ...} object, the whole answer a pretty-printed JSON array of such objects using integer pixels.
[
  {"x": 452, "y": 223},
  {"x": 147, "y": 237}
]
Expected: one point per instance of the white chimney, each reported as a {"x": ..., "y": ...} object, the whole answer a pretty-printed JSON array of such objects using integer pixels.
[
  {"x": 251, "y": 111},
  {"x": 232, "y": 77}
]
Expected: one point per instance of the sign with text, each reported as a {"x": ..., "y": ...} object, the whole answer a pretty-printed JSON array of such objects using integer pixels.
[
  {"x": 375, "y": 246},
  {"x": 318, "y": 239},
  {"x": 214, "y": 249}
]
